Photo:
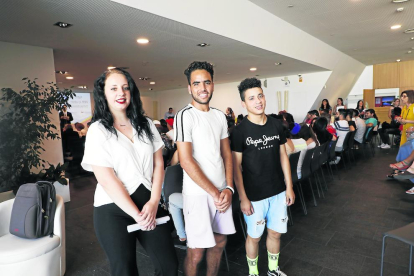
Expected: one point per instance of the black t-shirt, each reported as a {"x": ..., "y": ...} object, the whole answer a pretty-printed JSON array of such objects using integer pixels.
[{"x": 260, "y": 145}]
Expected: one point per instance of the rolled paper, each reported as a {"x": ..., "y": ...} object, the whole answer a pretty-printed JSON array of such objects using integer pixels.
[
  {"x": 136, "y": 226},
  {"x": 279, "y": 101}
]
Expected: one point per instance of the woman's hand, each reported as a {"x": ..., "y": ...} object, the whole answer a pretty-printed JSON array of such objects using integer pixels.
[{"x": 147, "y": 216}]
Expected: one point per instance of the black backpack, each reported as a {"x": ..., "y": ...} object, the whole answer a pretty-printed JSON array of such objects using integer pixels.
[{"x": 34, "y": 210}]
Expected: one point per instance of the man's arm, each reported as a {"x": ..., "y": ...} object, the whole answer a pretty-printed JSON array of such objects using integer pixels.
[
  {"x": 226, "y": 194},
  {"x": 185, "y": 150},
  {"x": 284, "y": 161},
  {"x": 245, "y": 204},
  {"x": 70, "y": 117}
]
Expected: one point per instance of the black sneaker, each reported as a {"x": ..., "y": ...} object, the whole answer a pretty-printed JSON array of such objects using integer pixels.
[{"x": 276, "y": 272}]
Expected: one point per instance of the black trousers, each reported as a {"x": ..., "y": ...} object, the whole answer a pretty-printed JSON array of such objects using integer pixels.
[
  {"x": 387, "y": 129},
  {"x": 120, "y": 246}
]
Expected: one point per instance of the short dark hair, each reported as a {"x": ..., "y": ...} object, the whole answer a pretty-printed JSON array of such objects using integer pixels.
[
  {"x": 314, "y": 112},
  {"x": 342, "y": 112},
  {"x": 355, "y": 112},
  {"x": 248, "y": 84},
  {"x": 198, "y": 65},
  {"x": 170, "y": 108}
]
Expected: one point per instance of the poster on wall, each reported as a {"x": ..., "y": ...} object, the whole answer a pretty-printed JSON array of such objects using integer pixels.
[{"x": 81, "y": 108}]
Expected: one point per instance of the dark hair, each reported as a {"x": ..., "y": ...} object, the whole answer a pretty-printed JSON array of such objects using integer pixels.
[
  {"x": 397, "y": 111},
  {"x": 170, "y": 108},
  {"x": 314, "y": 112},
  {"x": 410, "y": 95},
  {"x": 357, "y": 107},
  {"x": 342, "y": 112},
  {"x": 134, "y": 111},
  {"x": 198, "y": 65},
  {"x": 327, "y": 104},
  {"x": 240, "y": 117},
  {"x": 342, "y": 101},
  {"x": 230, "y": 123},
  {"x": 355, "y": 112},
  {"x": 79, "y": 126},
  {"x": 289, "y": 119},
  {"x": 89, "y": 123},
  {"x": 248, "y": 84},
  {"x": 319, "y": 127},
  {"x": 286, "y": 131},
  {"x": 373, "y": 112},
  {"x": 163, "y": 123}
]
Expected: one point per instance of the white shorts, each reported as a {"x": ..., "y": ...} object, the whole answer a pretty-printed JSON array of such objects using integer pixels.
[{"x": 202, "y": 220}]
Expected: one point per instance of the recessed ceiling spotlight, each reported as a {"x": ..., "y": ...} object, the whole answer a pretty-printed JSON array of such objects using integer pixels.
[
  {"x": 150, "y": 89},
  {"x": 61, "y": 72},
  {"x": 400, "y": 1},
  {"x": 409, "y": 52},
  {"x": 278, "y": 63},
  {"x": 257, "y": 75},
  {"x": 142, "y": 40},
  {"x": 400, "y": 9},
  {"x": 152, "y": 82},
  {"x": 412, "y": 38},
  {"x": 253, "y": 69},
  {"x": 203, "y": 44},
  {"x": 63, "y": 25},
  {"x": 82, "y": 87},
  {"x": 69, "y": 78},
  {"x": 409, "y": 31},
  {"x": 395, "y": 27},
  {"x": 144, "y": 78},
  {"x": 111, "y": 67},
  {"x": 398, "y": 60},
  {"x": 290, "y": 6}
]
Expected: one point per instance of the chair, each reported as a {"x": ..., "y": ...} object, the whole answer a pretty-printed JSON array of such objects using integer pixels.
[
  {"x": 367, "y": 141},
  {"x": 315, "y": 165},
  {"x": 351, "y": 143},
  {"x": 345, "y": 148},
  {"x": 404, "y": 234},
  {"x": 293, "y": 160},
  {"x": 35, "y": 257},
  {"x": 332, "y": 156},
  {"x": 306, "y": 171}
]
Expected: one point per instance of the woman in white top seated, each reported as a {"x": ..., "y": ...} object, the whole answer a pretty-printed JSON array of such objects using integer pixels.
[
  {"x": 339, "y": 105},
  {"x": 124, "y": 150}
]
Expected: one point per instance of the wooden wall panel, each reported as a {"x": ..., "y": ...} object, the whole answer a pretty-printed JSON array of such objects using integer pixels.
[
  {"x": 369, "y": 97},
  {"x": 386, "y": 75},
  {"x": 406, "y": 73},
  {"x": 382, "y": 114},
  {"x": 406, "y": 88}
]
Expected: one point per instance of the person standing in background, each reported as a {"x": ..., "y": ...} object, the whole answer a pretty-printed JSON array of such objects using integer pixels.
[
  {"x": 169, "y": 114},
  {"x": 65, "y": 117}
]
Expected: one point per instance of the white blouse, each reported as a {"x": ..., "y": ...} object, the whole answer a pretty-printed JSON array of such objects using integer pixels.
[{"x": 132, "y": 162}]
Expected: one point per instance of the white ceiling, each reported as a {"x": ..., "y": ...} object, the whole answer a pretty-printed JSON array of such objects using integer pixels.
[
  {"x": 358, "y": 28},
  {"x": 104, "y": 33}
]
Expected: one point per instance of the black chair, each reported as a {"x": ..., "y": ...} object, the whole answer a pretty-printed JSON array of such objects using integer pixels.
[
  {"x": 345, "y": 148},
  {"x": 314, "y": 169},
  {"x": 332, "y": 156},
  {"x": 173, "y": 181},
  {"x": 367, "y": 141},
  {"x": 322, "y": 159},
  {"x": 306, "y": 171},
  {"x": 293, "y": 160},
  {"x": 351, "y": 143}
]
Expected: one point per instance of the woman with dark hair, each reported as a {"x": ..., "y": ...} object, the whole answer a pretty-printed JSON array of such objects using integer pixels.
[
  {"x": 325, "y": 107},
  {"x": 230, "y": 113},
  {"x": 360, "y": 108},
  {"x": 407, "y": 113},
  {"x": 339, "y": 105},
  {"x": 124, "y": 150},
  {"x": 321, "y": 132},
  {"x": 289, "y": 119}
]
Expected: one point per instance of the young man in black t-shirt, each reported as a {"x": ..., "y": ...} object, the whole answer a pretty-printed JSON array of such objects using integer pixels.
[{"x": 262, "y": 176}]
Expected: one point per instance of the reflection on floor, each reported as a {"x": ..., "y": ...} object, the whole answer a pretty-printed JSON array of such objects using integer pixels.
[{"x": 341, "y": 236}]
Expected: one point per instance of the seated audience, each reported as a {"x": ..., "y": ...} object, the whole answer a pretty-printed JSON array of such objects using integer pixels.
[
  {"x": 348, "y": 118},
  {"x": 300, "y": 145},
  {"x": 307, "y": 134},
  {"x": 230, "y": 113},
  {"x": 339, "y": 105},
  {"x": 311, "y": 115},
  {"x": 325, "y": 107},
  {"x": 360, "y": 126},
  {"x": 405, "y": 154},
  {"x": 371, "y": 120},
  {"x": 239, "y": 119},
  {"x": 320, "y": 129},
  {"x": 342, "y": 128},
  {"x": 361, "y": 109},
  {"x": 390, "y": 128}
]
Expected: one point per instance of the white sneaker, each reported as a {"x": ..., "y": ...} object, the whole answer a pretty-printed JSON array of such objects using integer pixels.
[
  {"x": 386, "y": 146},
  {"x": 338, "y": 158},
  {"x": 380, "y": 146}
]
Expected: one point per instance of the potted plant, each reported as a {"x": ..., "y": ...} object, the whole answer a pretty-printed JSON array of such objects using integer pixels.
[{"x": 24, "y": 126}]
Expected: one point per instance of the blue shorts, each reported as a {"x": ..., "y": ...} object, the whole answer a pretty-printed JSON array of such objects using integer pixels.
[{"x": 271, "y": 211}]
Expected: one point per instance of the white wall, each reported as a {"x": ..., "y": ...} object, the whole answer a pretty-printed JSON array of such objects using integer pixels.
[
  {"x": 365, "y": 81},
  {"x": 227, "y": 95},
  {"x": 19, "y": 61},
  {"x": 246, "y": 22}
]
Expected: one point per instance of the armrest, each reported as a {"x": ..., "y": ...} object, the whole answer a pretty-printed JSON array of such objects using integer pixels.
[{"x": 5, "y": 214}]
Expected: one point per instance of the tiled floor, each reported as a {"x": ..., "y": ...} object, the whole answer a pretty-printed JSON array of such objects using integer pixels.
[{"x": 341, "y": 236}]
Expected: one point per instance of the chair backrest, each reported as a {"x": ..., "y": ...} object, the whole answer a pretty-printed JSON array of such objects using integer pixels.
[
  {"x": 351, "y": 140},
  {"x": 316, "y": 163},
  {"x": 173, "y": 181},
  {"x": 345, "y": 145},
  {"x": 306, "y": 165},
  {"x": 293, "y": 160},
  {"x": 324, "y": 153},
  {"x": 332, "y": 154}
]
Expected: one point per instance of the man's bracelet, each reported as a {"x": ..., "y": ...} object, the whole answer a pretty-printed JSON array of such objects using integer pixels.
[{"x": 230, "y": 188}]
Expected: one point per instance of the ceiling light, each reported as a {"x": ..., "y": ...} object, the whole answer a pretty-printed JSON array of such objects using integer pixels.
[
  {"x": 400, "y": 1},
  {"x": 398, "y": 60},
  {"x": 69, "y": 78},
  {"x": 409, "y": 52},
  {"x": 63, "y": 25},
  {"x": 278, "y": 63},
  {"x": 253, "y": 69},
  {"x": 409, "y": 31},
  {"x": 400, "y": 9},
  {"x": 412, "y": 38},
  {"x": 142, "y": 40},
  {"x": 203, "y": 44},
  {"x": 150, "y": 89},
  {"x": 395, "y": 27},
  {"x": 82, "y": 87},
  {"x": 143, "y": 78},
  {"x": 153, "y": 82},
  {"x": 111, "y": 67},
  {"x": 61, "y": 72},
  {"x": 290, "y": 6}
]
